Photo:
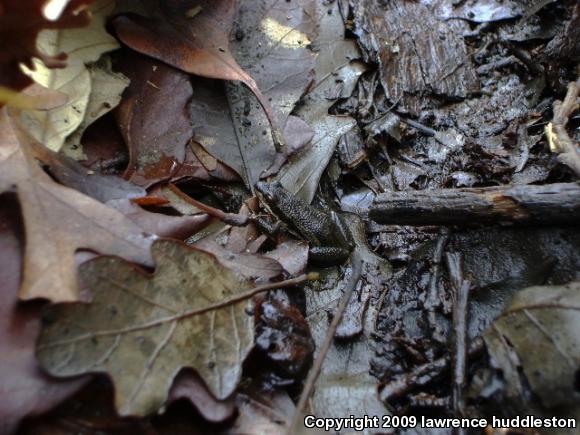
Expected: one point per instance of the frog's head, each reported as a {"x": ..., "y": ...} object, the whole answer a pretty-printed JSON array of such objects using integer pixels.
[{"x": 270, "y": 192}]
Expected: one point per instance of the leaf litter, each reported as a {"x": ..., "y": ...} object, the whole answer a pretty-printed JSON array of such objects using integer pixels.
[{"x": 346, "y": 104}]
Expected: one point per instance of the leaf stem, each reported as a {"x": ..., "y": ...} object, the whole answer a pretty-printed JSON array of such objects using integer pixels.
[{"x": 247, "y": 294}]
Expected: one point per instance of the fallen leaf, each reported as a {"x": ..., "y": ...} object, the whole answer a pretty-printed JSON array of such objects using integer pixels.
[
  {"x": 336, "y": 75},
  {"x": 540, "y": 329},
  {"x": 153, "y": 118},
  {"x": 345, "y": 385},
  {"x": 32, "y": 97},
  {"x": 59, "y": 221},
  {"x": 250, "y": 266},
  {"x": 84, "y": 46},
  {"x": 292, "y": 255},
  {"x": 188, "y": 385},
  {"x": 228, "y": 122},
  {"x": 178, "y": 227},
  {"x": 107, "y": 87},
  {"x": 24, "y": 389},
  {"x": 262, "y": 412},
  {"x": 195, "y": 43},
  {"x": 69, "y": 172},
  {"x": 212, "y": 124},
  {"x": 142, "y": 329},
  {"x": 273, "y": 49},
  {"x": 20, "y": 22}
]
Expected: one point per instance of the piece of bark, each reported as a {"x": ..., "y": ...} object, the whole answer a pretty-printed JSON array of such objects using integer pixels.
[
  {"x": 420, "y": 56},
  {"x": 551, "y": 203}
]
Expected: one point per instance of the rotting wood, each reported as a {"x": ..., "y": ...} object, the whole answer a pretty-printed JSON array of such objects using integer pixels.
[{"x": 547, "y": 204}]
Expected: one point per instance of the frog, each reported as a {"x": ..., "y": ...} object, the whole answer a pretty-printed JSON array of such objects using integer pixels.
[{"x": 331, "y": 242}]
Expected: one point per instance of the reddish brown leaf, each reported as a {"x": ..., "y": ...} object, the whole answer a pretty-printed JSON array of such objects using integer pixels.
[
  {"x": 188, "y": 385},
  {"x": 191, "y": 35},
  {"x": 24, "y": 389},
  {"x": 153, "y": 119}
]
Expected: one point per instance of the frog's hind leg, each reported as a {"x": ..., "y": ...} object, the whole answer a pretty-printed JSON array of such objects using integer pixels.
[{"x": 328, "y": 256}]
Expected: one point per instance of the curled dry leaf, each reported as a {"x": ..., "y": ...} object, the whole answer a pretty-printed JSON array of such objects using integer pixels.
[
  {"x": 59, "y": 221},
  {"x": 153, "y": 118},
  {"x": 69, "y": 172},
  {"x": 250, "y": 266},
  {"x": 192, "y": 36},
  {"x": 142, "y": 329},
  {"x": 107, "y": 87},
  {"x": 178, "y": 227},
  {"x": 83, "y": 46}
]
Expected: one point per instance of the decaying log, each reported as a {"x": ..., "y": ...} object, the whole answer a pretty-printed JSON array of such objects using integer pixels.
[{"x": 547, "y": 204}]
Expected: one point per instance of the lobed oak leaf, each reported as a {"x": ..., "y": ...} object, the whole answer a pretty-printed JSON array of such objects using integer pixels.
[
  {"x": 143, "y": 329},
  {"x": 59, "y": 221}
]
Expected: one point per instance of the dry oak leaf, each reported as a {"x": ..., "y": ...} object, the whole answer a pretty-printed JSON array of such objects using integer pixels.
[
  {"x": 59, "y": 221},
  {"x": 192, "y": 35},
  {"x": 143, "y": 329}
]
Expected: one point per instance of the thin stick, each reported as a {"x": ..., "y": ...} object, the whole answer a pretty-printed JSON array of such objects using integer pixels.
[
  {"x": 246, "y": 294},
  {"x": 317, "y": 366},
  {"x": 461, "y": 288},
  {"x": 405, "y": 383},
  {"x": 432, "y": 300},
  {"x": 237, "y": 220}
]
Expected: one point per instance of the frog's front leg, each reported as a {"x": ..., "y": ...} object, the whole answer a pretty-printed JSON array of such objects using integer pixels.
[
  {"x": 328, "y": 255},
  {"x": 344, "y": 232}
]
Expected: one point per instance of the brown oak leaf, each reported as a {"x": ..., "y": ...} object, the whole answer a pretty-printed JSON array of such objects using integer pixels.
[{"x": 59, "y": 221}]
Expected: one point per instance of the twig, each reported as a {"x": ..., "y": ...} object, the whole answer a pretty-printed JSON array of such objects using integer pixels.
[
  {"x": 236, "y": 220},
  {"x": 461, "y": 288},
  {"x": 314, "y": 372},
  {"x": 546, "y": 204},
  {"x": 244, "y": 295},
  {"x": 534, "y": 67},
  {"x": 556, "y": 133},
  {"x": 423, "y": 374},
  {"x": 432, "y": 300}
]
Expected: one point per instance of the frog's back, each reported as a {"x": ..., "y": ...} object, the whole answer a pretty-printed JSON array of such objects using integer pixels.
[{"x": 306, "y": 219}]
